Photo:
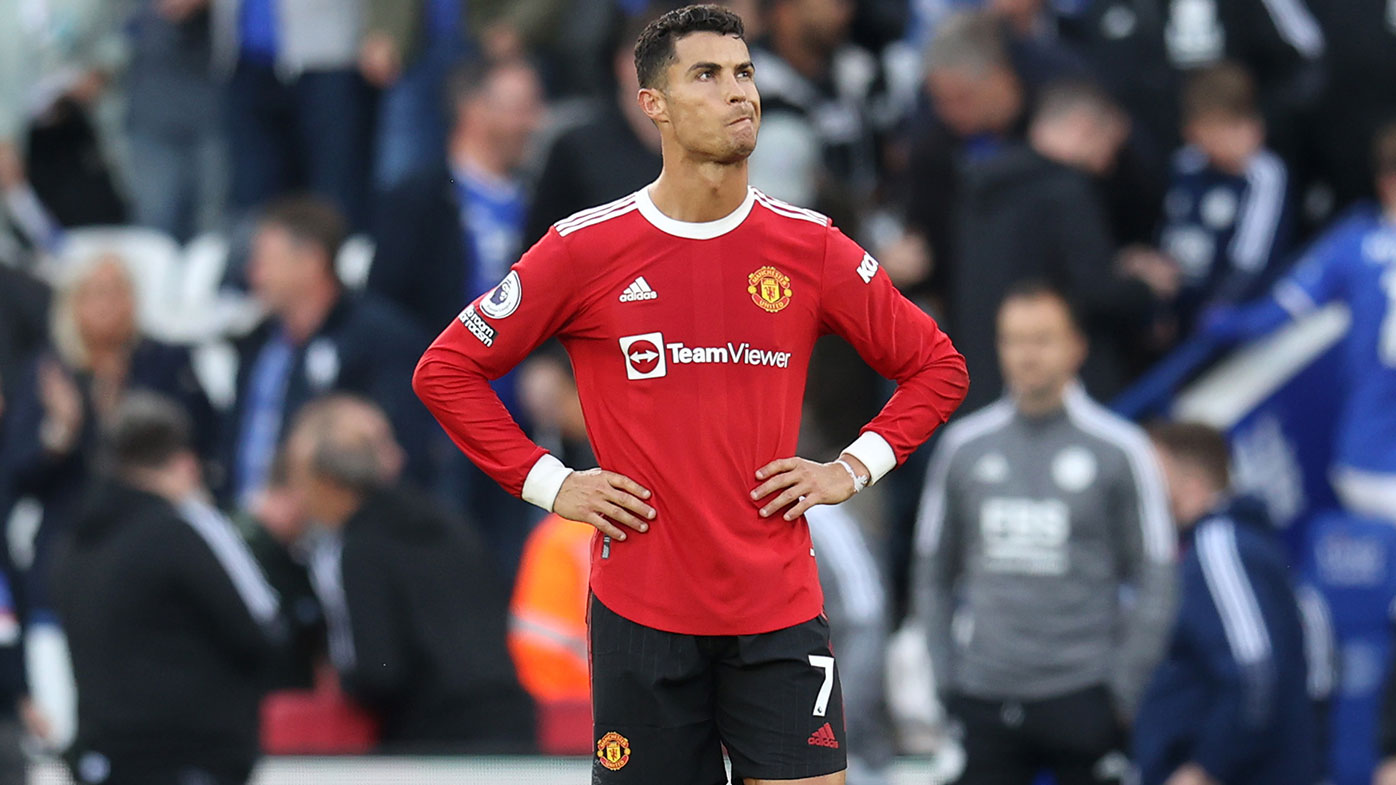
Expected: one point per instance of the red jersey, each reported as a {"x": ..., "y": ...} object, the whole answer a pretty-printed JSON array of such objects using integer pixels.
[{"x": 690, "y": 343}]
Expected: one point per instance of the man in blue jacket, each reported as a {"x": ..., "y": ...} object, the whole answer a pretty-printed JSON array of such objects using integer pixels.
[{"x": 1228, "y": 704}]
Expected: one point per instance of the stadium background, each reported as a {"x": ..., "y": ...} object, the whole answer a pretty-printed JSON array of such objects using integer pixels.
[{"x": 138, "y": 128}]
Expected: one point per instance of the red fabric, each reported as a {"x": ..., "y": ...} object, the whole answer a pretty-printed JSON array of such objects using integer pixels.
[
  {"x": 695, "y": 436},
  {"x": 323, "y": 722}
]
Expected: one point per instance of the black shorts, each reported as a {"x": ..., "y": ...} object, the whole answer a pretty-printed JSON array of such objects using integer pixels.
[
  {"x": 664, "y": 705},
  {"x": 1075, "y": 736}
]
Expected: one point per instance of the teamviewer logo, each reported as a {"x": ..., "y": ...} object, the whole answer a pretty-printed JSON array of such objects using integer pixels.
[{"x": 644, "y": 356}]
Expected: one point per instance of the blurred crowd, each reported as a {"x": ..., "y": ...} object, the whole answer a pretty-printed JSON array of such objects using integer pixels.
[{"x": 228, "y": 228}]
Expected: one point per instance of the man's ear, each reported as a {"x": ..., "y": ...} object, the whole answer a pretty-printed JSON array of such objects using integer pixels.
[{"x": 652, "y": 103}]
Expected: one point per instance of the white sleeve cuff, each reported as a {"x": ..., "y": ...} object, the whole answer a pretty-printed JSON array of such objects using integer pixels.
[
  {"x": 875, "y": 453},
  {"x": 544, "y": 481}
]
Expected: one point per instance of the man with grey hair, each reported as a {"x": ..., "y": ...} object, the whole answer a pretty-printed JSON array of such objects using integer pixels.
[
  {"x": 169, "y": 620},
  {"x": 416, "y": 615}
]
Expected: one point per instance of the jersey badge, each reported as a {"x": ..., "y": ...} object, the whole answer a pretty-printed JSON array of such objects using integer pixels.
[
  {"x": 1074, "y": 469},
  {"x": 504, "y": 298},
  {"x": 613, "y": 750},
  {"x": 769, "y": 289}
]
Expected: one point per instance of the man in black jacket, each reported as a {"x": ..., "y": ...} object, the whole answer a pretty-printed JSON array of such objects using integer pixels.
[
  {"x": 1033, "y": 212},
  {"x": 168, "y": 618},
  {"x": 416, "y": 617},
  {"x": 318, "y": 338}
]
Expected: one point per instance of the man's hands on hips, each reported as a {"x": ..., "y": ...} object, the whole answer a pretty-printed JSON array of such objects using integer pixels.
[
  {"x": 804, "y": 484},
  {"x": 603, "y": 499}
]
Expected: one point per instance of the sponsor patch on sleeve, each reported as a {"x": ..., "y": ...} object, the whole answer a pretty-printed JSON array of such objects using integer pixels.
[{"x": 478, "y": 327}]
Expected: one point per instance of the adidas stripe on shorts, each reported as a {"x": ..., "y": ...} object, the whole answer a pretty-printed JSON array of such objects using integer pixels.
[{"x": 665, "y": 705}]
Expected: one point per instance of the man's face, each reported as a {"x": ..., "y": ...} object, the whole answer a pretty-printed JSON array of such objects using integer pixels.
[
  {"x": 710, "y": 101},
  {"x": 280, "y": 266},
  {"x": 971, "y": 103},
  {"x": 1039, "y": 349},
  {"x": 1228, "y": 142},
  {"x": 511, "y": 110}
]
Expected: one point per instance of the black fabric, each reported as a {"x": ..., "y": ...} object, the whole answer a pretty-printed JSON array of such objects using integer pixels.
[
  {"x": 1025, "y": 217},
  {"x": 428, "y": 619},
  {"x": 1075, "y": 736},
  {"x": 420, "y": 262},
  {"x": 293, "y": 667},
  {"x": 597, "y": 162},
  {"x": 70, "y": 176},
  {"x": 166, "y": 656},
  {"x": 674, "y": 701}
]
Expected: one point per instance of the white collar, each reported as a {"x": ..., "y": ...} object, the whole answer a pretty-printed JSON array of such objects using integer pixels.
[{"x": 705, "y": 230}]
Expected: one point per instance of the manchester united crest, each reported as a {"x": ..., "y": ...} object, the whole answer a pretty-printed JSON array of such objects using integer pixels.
[
  {"x": 769, "y": 289},
  {"x": 613, "y": 750}
]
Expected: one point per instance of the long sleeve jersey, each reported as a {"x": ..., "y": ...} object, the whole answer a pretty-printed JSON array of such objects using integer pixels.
[{"x": 691, "y": 343}]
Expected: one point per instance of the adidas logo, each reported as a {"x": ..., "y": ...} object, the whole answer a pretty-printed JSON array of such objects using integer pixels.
[
  {"x": 638, "y": 290},
  {"x": 824, "y": 737}
]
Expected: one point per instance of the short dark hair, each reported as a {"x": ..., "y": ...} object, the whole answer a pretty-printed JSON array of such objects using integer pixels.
[
  {"x": 1041, "y": 288},
  {"x": 1195, "y": 444},
  {"x": 147, "y": 431},
  {"x": 310, "y": 220},
  {"x": 654, "y": 49},
  {"x": 1225, "y": 89}
]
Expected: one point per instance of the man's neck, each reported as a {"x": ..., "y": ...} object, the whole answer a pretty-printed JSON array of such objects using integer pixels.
[
  {"x": 473, "y": 155},
  {"x": 305, "y": 317},
  {"x": 699, "y": 191},
  {"x": 1040, "y": 403}
]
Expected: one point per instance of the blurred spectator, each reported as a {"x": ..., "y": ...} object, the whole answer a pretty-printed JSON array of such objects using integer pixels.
[
  {"x": 980, "y": 104},
  {"x": 1040, "y": 512},
  {"x": 167, "y": 616},
  {"x": 14, "y": 693},
  {"x": 178, "y": 158},
  {"x": 612, "y": 153},
  {"x": 1227, "y": 222},
  {"x": 510, "y": 29},
  {"x": 298, "y": 110},
  {"x": 824, "y": 100},
  {"x": 855, "y": 602},
  {"x": 1032, "y": 211},
  {"x": 57, "y": 59},
  {"x": 416, "y": 616},
  {"x": 1229, "y": 702},
  {"x": 317, "y": 338},
  {"x": 1352, "y": 263},
  {"x": 75, "y": 385},
  {"x": 450, "y": 231},
  {"x": 407, "y": 50},
  {"x": 548, "y": 612},
  {"x": 278, "y": 535}
]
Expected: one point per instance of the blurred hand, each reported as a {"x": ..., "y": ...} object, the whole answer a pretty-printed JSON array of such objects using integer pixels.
[
  {"x": 1191, "y": 774},
  {"x": 908, "y": 260},
  {"x": 804, "y": 484},
  {"x": 603, "y": 499},
  {"x": 1156, "y": 269},
  {"x": 1385, "y": 773},
  {"x": 62, "y": 402},
  {"x": 11, "y": 167},
  {"x": 179, "y": 10},
  {"x": 379, "y": 59},
  {"x": 35, "y": 721}
]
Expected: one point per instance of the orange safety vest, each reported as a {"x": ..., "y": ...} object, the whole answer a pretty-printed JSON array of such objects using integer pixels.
[{"x": 547, "y": 617}]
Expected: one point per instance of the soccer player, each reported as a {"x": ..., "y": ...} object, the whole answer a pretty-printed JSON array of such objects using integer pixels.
[
  {"x": 1353, "y": 263},
  {"x": 689, "y": 310}
]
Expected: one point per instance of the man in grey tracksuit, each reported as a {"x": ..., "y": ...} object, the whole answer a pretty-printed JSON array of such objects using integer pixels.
[{"x": 1045, "y": 563}]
